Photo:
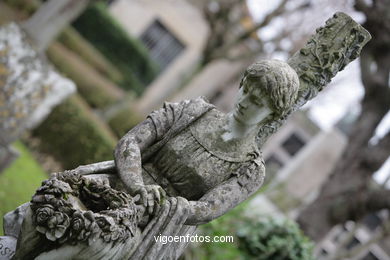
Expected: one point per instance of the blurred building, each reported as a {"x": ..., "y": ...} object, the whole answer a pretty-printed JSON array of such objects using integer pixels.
[
  {"x": 343, "y": 241},
  {"x": 175, "y": 33},
  {"x": 299, "y": 157}
]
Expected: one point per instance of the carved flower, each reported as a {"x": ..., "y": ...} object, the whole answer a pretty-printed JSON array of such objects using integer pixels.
[
  {"x": 53, "y": 205},
  {"x": 54, "y": 186},
  {"x": 105, "y": 223},
  {"x": 53, "y": 225},
  {"x": 84, "y": 227},
  {"x": 78, "y": 226},
  {"x": 72, "y": 178},
  {"x": 78, "y": 222},
  {"x": 43, "y": 214}
]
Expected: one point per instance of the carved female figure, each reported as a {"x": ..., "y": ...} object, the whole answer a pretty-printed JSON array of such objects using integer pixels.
[
  {"x": 209, "y": 159},
  {"x": 194, "y": 151},
  {"x": 188, "y": 162}
]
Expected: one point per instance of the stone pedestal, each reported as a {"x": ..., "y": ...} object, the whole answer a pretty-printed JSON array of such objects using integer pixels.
[{"x": 29, "y": 86}]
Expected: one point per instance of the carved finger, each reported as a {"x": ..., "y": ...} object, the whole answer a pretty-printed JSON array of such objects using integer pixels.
[
  {"x": 163, "y": 194},
  {"x": 150, "y": 204},
  {"x": 156, "y": 208},
  {"x": 136, "y": 198},
  {"x": 144, "y": 196},
  {"x": 156, "y": 195}
]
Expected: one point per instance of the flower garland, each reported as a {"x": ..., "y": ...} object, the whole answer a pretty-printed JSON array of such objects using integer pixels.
[{"x": 72, "y": 208}]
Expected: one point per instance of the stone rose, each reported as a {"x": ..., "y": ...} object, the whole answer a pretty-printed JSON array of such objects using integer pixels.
[
  {"x": 55, "y": 225},
  {"x": 77, "y": 224},
  {"x": 43, "y": 214},
  {"x": 54, "y": 186}
]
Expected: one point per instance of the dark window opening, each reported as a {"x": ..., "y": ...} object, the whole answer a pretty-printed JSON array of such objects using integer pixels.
[
  {"x": 293, "y": 144},
  {"x": 370, "y": 256},
  {"x": 353, "y": 243},
  {"x": 372, "y": 221},
  {"x": 163, "y": 46}
]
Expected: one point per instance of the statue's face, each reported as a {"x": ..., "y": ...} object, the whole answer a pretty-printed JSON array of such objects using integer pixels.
[{"x": 249, "y": 109}]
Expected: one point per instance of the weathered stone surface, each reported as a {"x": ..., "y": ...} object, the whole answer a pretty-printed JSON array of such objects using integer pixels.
[
  {"x": 12, "y": 221},
  {"x": 327, "y": 52},
  {"x": 7, "y": 247},
  {"x": 29, "y": 86},
  {"x": 185, "y": 165}
]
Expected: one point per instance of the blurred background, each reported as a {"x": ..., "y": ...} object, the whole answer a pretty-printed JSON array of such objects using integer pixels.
[{"x": 97, "y": 68}]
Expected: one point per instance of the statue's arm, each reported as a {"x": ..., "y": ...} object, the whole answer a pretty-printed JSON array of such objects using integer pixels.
[
  {"x": 225, "y": 196},
  {"x": 131, "y": 147},
  {"x": 129, "y": 163},
  {"x": 128, "y": 152}
]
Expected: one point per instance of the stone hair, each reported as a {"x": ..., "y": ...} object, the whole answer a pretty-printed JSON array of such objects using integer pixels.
[{"x": 275, "y": 80}]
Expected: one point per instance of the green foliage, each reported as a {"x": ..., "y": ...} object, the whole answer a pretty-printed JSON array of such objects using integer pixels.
[
  {"x": 76, "y": 43},
  {"x": 74, "y": 136},
  {"x": 226, "y": 225},
  {"x": 95, "y": 89},
  {"x": 274, "y": 239},
  {"x": 278, "y": 196},
  {"x": 223, "y": 226},
  {"x": 124, "y": 120},
  {"x": 19, "y": 182},
  {"x": 128, "y": 54}
]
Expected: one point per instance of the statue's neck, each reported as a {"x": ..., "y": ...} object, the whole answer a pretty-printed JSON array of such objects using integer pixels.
[
  {"x": 217, "y": 134},
  {"x": 234, "y": 130}
]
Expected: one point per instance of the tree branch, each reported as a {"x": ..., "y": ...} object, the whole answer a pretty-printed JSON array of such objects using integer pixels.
[{"x": 267, "y": 19}]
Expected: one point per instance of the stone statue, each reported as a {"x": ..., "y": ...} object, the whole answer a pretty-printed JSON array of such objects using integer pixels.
[{"x": 185, "y": 165}]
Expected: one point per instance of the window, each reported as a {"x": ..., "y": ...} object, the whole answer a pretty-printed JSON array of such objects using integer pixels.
[
  {"x": 370, "y": 256},
  {"x": 372, "y": 221},
  {"x": 353, "y": 243},
  {"x": 163, "y": 46},
  {"x": 293, "y": 144}
]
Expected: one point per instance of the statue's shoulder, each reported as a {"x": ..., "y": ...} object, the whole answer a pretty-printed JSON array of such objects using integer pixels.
[
  {"x": 190, "y": 107},
  {"x": 175, "y": 117},
  {"x": 201, "y": 101}
]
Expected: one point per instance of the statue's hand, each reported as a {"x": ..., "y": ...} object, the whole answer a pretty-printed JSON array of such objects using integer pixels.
[{"x": 151, "y": 196}]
